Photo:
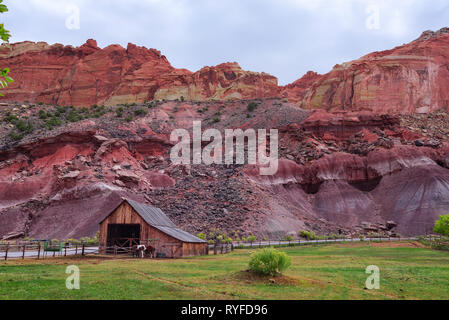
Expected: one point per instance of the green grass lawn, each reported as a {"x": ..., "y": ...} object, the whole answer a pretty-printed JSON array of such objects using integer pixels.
[{"x": 407, "y": 271}]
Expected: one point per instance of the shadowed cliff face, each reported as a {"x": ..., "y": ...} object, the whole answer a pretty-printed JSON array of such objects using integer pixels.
[{"x": 407, "y": 79}]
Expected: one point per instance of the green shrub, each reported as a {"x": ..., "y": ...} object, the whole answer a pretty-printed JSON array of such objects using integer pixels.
[
  {"x": 119, "y": 112},
  {"x": 42, "y": 114},
  {"x": 442, "y": 226},
  {"x": 10, "y": 118},
  {"x": 251, "y": 106},
  {"x": 309, "y": 235},
  {"x": 25, "y": 127},
  {"x": 251, "y": 238},
  {"x": 201, "y": 235},
  {"x": 74, "y": 116},
  {"x": 129, "y": 119},
  {"x": 140, "y": 112},
  {"x": 16, "y": 136},
  {"x": 269, "y": 262}
]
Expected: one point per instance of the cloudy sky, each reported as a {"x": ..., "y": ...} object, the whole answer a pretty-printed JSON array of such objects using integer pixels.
[{"x": 285, "y": 38}]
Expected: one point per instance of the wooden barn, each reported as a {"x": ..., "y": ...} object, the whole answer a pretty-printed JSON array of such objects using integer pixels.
[{"x": 133, "y": 223}]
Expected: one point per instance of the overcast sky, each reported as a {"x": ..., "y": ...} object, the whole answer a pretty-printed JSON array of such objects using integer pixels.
[{"x": 285, "y": 38}]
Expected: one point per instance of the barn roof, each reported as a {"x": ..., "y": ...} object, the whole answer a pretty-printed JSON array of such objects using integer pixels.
[{"x": 159, "y": 220}]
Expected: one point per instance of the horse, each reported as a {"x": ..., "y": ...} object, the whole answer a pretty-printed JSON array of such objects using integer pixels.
[
  {"x": 139, "y": 251},
  {"x": 150, "y": 251}
]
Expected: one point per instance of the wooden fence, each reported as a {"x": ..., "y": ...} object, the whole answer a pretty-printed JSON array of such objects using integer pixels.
[{"x": 35, "y": 250}]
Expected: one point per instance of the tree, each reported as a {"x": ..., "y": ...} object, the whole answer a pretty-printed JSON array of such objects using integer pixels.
[
  {"x": 442, "y": 226},
  {"x": 251, "y": 238},
  {"x": 4, "y": 35},
  {"x": 201, "y": 235}
]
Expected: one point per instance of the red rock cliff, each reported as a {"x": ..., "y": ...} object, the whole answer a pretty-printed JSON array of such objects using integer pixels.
[
  {"x": 87, "y": 75},
  {"x": 407, "y": 79}
]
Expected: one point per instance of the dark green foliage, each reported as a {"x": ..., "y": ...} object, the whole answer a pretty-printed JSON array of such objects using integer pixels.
[
  {"x": 251, "y": 106},
  {"x": 119, "y": 112},
  {"x": 10, "y": 118},
  {"x": 42, "y": 114},
  {"x": 140, "y": 112},
  {"x": 52, "y": 122},
  {"x": 24, "y": 127},
  {"x": 16, "y": 136},
  {"x": 74, "y": 116}
]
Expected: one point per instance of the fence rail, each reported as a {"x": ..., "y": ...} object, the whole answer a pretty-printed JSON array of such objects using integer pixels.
[
  {"x": 23, "y": 250},
  {"x": 299, "y": 242},
  {"x": 38, "y": 251}
]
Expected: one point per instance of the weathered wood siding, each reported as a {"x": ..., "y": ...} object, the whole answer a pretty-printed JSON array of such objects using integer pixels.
[
  {"x": 166, "y": 244},
  {"x": 193, "y": 249},
  {"x": 124, "y": 214}
]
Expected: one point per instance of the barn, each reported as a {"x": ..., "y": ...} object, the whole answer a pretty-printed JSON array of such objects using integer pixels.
[{"x": 133, "y": 223}]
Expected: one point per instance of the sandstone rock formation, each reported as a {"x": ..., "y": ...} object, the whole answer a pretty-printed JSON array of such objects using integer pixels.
[
  {"x": 410, "y": 78},
  {"x": 87, "y": 75},
  {"x": 407, "y": 79}
]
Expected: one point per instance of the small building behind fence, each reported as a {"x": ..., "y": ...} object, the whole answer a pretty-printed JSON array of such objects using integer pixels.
[{"x": 132, "y": 223}]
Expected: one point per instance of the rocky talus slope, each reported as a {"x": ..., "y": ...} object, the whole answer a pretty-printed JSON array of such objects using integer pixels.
[
  {"x": 362, "y": 149},
  {"x": 339, "y": 172}
]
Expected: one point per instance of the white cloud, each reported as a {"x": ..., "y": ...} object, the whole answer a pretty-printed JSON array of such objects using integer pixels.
[{"x": 282, "y": 37}]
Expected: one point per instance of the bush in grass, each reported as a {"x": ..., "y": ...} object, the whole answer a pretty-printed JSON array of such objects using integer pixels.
[{"x": 269, "y": 262}]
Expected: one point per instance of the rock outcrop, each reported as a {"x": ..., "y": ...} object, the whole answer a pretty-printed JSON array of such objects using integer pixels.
[
  {"x": 412, "y": 78},
  {"x": 87, "y": 75}
]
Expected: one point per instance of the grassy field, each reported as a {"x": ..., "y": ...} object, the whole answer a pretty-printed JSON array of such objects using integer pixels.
[{"x": 408, "y": 271}]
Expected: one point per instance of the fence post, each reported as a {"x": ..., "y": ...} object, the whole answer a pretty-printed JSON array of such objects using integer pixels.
[
  {"x": 65, "y": 251},
  {"x": 38, "y": 250},
  {"x": 215, "y": 249},
  {"x": 23, "y": 251},
  {"x": 82, "y": 252},
  {"x": 6, "y": 252}
]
